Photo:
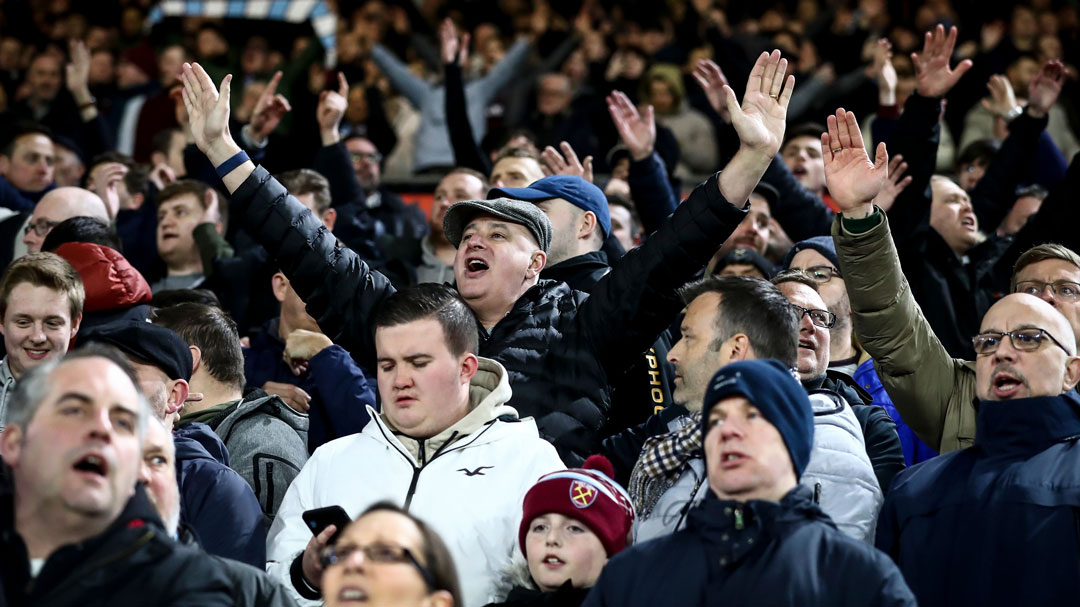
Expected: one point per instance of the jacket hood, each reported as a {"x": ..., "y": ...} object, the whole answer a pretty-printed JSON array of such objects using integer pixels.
[
  {"x": 109, "y": 279},
  {"x": 488, "y": 392},
  {"x": 258, "y": 400},
  {"x": 196, "y": 440},
  {"x": 1026, "y": 425}
]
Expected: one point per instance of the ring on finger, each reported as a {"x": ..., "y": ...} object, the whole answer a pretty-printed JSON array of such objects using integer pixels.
[{"x": 837, "y": 150}]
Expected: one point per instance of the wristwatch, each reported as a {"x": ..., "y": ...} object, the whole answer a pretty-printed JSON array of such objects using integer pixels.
[{"x": 1013, "y": 113}]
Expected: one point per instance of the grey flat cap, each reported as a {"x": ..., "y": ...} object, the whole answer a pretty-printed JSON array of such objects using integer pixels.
[{"x": 517, "y": 211}]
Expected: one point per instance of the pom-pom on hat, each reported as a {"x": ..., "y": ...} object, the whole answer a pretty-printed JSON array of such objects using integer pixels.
[{"x": 586, "y": 494}]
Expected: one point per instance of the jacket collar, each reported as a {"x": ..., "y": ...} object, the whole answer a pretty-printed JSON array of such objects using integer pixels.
[
  {"x": 1027, "y": 425},
  {"x": 732, "y": 529},
  {"x": 575, "y": 266},
  {"x": 488, "y": 392}
]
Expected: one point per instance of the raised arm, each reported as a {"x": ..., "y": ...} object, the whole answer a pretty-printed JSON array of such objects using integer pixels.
[
  {"x": 340, "y": 289},
  {"x": 332, "y": 160},
  {"x": 630, "y": 306},
  {"x": 454, "y": 53},
  {"x": 403, "y": 80},
  {"x": 650, "y": 187},
  {"x": 917, "y": 372}
]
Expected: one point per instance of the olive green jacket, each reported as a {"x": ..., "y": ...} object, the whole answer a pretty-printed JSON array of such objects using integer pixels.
[{"x": 933, "y": 392}]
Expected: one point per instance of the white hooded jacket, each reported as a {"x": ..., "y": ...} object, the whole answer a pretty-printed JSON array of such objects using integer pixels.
[{"x": 467, "y": 482}]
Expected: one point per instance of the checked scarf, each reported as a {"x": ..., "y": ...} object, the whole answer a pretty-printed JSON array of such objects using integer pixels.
[{"x": 663, "y": 459}]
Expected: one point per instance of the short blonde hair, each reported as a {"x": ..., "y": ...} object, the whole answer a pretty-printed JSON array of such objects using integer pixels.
[
  {"x": 44, "y": 270},
  {"x": 1043, "y": 252}
]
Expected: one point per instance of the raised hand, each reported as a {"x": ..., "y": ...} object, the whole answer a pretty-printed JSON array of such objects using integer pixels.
[
  {"x": 269, "y": 110},
  {"x": 1045, "y": 88},
  {"x": 760, "y": 120},
  {"x": 553, "y": 163},
  {"x": 712, "y": 81},
  {"x": 894, "y": 184},
  {"x": 77, "y": 72},
  {"x": 884, "y": 72},
  {"x": 637, "y": 130},
  {"x": 1002, "y": 99},
  {"x": 301, "y": 346},
  {"x": 853, "y": 180},
  {"x": 208, "y": 111},
  {"x": 104, "y": 181},
  {"x": 453, "y": 50},
  {"x": 332, "y": 105},
  {"x": 933, "y": 75}
]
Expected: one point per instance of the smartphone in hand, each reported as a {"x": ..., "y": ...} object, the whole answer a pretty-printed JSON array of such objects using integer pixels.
[{"x": 321, "y": 518}]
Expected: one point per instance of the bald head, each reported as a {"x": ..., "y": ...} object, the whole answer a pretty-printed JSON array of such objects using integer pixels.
[
  {"x": 59, "y": 205},
  {"x": 1010, "y": 372}
]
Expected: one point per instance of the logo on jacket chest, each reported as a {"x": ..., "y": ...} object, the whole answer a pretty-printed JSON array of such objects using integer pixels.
[{"x": 478, "y": 472}]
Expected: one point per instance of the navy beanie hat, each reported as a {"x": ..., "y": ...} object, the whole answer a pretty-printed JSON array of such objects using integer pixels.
[
  {"x": 821, "y": 244},
  {"x": 782, "y": 400}
]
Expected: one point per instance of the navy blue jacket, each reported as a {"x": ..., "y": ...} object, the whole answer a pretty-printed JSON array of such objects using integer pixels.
[
  {"x": 215, "y": 501},
  {"x": 752, "y": 553},
  {"x": 997, "y": 523},
  {"x": 339, "y": 389}
]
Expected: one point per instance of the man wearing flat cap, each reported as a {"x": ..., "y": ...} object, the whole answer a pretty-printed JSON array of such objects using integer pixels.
[
  {"x": 758, "y": 537},
  {"x": 215, "y": 501},
  {"x": 561, "y": 347}
]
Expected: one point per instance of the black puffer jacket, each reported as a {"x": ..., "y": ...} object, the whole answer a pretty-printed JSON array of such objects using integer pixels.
[
  {"x": 559, "y": 346},
  {"x": 132, "y": 563}
]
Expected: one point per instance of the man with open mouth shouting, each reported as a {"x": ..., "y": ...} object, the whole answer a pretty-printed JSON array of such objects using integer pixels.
[{"x": 560, "y": 347}]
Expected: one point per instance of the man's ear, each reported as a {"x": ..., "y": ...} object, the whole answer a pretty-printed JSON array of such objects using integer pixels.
[
  {"x": 536, "y": 264},
  {"x": 11, "y": 444},
  {"x": 5, "y": 164},
  {"x": 178, "y": 393},
  {"x": 1072, "y": 373},
  {"x": 196, "y": 358},
  {"x": 280, "y": 285},
  {"x": 439, "y": 598},
  {"x": 329, "y": 218},
  {"x": 739, "y": 346},
  {"x": 75, "y": 324},
  {"x": 587, "y": 225},
  {"x": 469, "y": 366}
]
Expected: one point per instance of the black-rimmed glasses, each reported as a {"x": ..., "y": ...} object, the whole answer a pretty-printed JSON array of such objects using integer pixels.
[
  {"x": 821, "y": 318},
  {"x": 377, "y": 553},
  {"x": 1024, "y": 340}
]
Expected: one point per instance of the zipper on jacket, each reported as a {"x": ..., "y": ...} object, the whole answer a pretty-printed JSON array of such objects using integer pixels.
[
  {"x": 270, "y": 487},
  {"x": 412, "y": 487},
  {"x": 817, "y": 493}
]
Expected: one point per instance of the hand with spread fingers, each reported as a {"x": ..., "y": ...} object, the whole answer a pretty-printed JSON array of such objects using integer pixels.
[
  {"x": 894, "y": 184},
  {"x": 554, "y": 163},
  {"x": 712, "y": 81},
  {"x": 934, "y": 77},
  {"x": 760, "y": 120},
  {"x": 853, "y": 180},
  {"x": 1045, "y": 88},
  {"x": 1002, "y": 99},
  {"x": 636, "y": 129},
  {"x": 269, "y": 110}
]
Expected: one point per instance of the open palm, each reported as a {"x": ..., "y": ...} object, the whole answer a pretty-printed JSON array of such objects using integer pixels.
[
  {"x": 850, "y": 176},
  {"x": 207, "y": 107},
  {"x": 760, "y": 120}
]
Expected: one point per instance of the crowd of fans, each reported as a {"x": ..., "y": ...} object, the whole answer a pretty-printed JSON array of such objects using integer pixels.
[{"x": 448, "y": 322}]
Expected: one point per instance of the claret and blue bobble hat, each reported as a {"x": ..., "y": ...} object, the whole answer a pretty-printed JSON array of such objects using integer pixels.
[
  {"x": 769, "y": 386},
  {"x": 574, "y": 190},
  {"x": 587, "y": 494}
]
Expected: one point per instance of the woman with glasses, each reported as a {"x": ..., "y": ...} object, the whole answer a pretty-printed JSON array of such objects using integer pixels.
[{"x": 389, "y": 557}]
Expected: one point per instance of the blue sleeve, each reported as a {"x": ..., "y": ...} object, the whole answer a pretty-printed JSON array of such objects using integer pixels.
[
  {"x": 798, "y": 210},
  {"x": 504, "y": 71},
  {"x": 651, "y": 191},
  {"x": 343, "y": 387},
  {"x": 334, "y": 163},
  {"x": 414, "y": 89},
  {"x": 1050, "y": 164},
  {"x": 226, "y": 515}
]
